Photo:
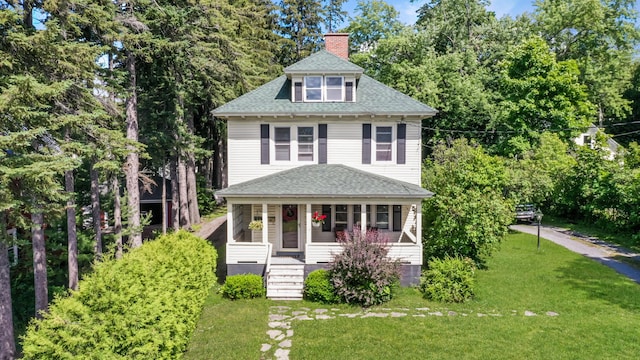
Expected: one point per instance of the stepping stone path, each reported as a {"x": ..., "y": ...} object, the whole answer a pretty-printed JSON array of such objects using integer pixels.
[{"x": 280, "y": 335}]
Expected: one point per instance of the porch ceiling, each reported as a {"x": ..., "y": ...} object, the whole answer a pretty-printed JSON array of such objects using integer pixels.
[{"x": 320, "y": 181}]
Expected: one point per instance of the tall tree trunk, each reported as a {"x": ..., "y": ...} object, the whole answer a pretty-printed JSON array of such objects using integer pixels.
[
  {"x": 39, "y": 262},
  {"x": 95, "y": 212},
  {"x": 7, "y": 341},
  {"x": 117, "y": 215},
  {"x": 192, "y": 187},
  {"x": 164, "y": 198},
  {"x": 72, "y": 235},
  {"x": 133, "y": 162},
  {"x": 222, "y": 162},
  {"x": 175, "y": 194},
  {"x": 27, "y": 16},
  {"x": 184, "y": 199}
]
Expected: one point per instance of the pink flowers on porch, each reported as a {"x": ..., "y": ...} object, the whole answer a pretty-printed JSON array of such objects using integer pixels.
[{"x": 318, "y": 219}]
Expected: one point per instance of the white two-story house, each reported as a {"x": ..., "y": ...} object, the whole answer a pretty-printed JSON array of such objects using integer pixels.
[{"x": 321, "y": 138}]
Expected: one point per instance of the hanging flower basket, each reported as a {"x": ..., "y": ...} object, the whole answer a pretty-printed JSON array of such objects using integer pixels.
[
  {"x": 255, "y": 225},
  {"x": 317, "y": 219}
]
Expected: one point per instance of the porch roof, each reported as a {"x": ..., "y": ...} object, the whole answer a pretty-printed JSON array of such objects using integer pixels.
[{"x": 323, "y": 180}]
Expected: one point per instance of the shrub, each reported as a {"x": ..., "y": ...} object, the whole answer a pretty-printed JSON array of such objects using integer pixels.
[
  {"x": 244, "y": 286},
  {"x": 144, "y": 306},
  {"x": 363, "y": 274},
  {"x": 448, "y": 280},
  {"x": 318, "y": 287}
]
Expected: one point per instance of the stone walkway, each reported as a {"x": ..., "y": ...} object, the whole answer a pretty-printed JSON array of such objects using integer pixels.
[{"x": 280, "y": 334}]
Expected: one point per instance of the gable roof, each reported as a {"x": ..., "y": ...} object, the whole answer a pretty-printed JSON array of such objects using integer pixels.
[
  {"x": 325, "y": 180},
  {"x": 372, "y": 98},
  {"x": 323, "y": 61}
]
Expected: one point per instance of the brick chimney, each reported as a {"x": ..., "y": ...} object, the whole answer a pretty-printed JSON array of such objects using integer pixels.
[{"x": 338, "y": 44}]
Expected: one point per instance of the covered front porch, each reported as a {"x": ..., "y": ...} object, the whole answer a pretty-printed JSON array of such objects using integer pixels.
[
  {"x": 352, "y": 200},
  {"x": 287, "y": 230}
]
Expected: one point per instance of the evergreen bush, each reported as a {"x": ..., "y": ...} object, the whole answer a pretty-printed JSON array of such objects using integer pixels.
[
  {"x": 243, "y": 286},
  {"x": 448, "y": 280},
  {"x": 144, "y": 306},
  {"x": 318, "y": 287},
  {"x": 363, "y": 274}
]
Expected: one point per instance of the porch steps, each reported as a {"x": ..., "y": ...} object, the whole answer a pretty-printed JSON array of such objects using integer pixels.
[{"x": 285, "y": 282}]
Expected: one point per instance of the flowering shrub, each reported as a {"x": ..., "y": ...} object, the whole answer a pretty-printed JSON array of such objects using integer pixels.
[
  {"x": 363, "y": 274},
  {"x": 318, "y": 218}
]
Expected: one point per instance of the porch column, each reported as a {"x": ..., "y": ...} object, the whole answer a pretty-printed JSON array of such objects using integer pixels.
[
  {"x": 265, "y": 224},
  {"x": 308, "y": 223},
  {"x": 363, "y": 219},
  {"x": 419, "y": 228},
  {"x": 229, "y": 223}
]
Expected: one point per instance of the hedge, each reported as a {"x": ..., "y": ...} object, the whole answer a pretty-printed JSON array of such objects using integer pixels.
[{"x": 144, "y": 306}]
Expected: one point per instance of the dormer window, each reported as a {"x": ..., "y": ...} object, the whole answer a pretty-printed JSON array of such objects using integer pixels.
[
  {"x": 313, "y": 88},
  {"x": 334, "y": 88},
  {"x": 323, "y": 89}
]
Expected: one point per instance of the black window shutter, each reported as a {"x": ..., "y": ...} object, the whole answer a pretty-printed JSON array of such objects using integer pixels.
[
  {"x": 397, "y": 218},
  {"x": 348, "y": 91},
  {"x": 366, "y": 143},
  {"x": 298, "y": 92},
  {"x": 326, "y": 210},
  {"x": 402, "y": 143},
  {"x": 264, "y": 143},
  {"x": 322, "y": 143}
]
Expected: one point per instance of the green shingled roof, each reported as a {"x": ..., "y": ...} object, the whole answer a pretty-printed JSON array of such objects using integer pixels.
[
  {"x": 323, "y": 61},
  {"x": 372, "y": 98},
  {"x": 321, "y": 181}
]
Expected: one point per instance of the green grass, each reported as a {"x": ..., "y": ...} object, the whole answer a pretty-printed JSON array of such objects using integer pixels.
[
  {"x": 599, "y": 317},
  {"x": 615, "y": 237}
]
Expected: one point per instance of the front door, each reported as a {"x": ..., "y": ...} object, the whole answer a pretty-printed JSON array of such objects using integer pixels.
[{"x": 290, "y": 227}]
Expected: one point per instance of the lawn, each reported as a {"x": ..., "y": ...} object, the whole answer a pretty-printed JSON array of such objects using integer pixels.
[{"x": 598, "y": 317}]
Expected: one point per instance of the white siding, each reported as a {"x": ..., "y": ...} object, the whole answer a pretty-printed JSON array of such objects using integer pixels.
[{"x": 344, "y": 146}]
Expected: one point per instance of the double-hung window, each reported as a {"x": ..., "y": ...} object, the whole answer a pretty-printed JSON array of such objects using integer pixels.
[
  {"x": 313, "y": 88},
  {"x": 305, "y": 143},
  {"x": 382, "y": 216},
  {"x": 283, "y": 143},
  {"x": 324, "y": 88},
  {"x": 333, "y": 88},
  {"x": 384, "y": 141}
]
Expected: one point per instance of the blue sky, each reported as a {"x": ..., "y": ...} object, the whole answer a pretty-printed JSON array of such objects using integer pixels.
[{"x": 408, "y": 9}]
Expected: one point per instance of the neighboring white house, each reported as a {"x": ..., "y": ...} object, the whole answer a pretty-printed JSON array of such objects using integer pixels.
[
  {"x": 322, "y": 138},
  {"x": 588, "y": 138}
]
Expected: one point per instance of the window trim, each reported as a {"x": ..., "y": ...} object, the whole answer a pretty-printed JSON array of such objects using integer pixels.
[
  {"x": 293, "y": 144},
  {"x": 323, "y": 88},
  {"x": 327, "y": 88},
  {"x": 392, "y": 144},
  {"x": 305, "y": 88}
]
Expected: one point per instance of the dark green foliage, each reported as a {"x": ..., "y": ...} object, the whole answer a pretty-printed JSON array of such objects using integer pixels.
[
  {"x": 143, "y": 306},
  {"x": 318, "y": 287},
  {"x": 363, "y": 274},
  {"x": 243, "y": 286},
  {"x": 469, "y": 215},
  {"x": 448, "y": 280}
]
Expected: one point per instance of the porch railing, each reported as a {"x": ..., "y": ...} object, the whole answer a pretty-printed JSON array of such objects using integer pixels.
[
  {"x": 407, "y": 253},
  {"x": 246, "y": 252}
]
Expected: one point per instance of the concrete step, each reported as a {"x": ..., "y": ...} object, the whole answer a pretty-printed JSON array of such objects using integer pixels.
[
  {"x": 284, "y": 294},
  {"x": 286, "y": 272},
  {"x": 285, "y": 286}
]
